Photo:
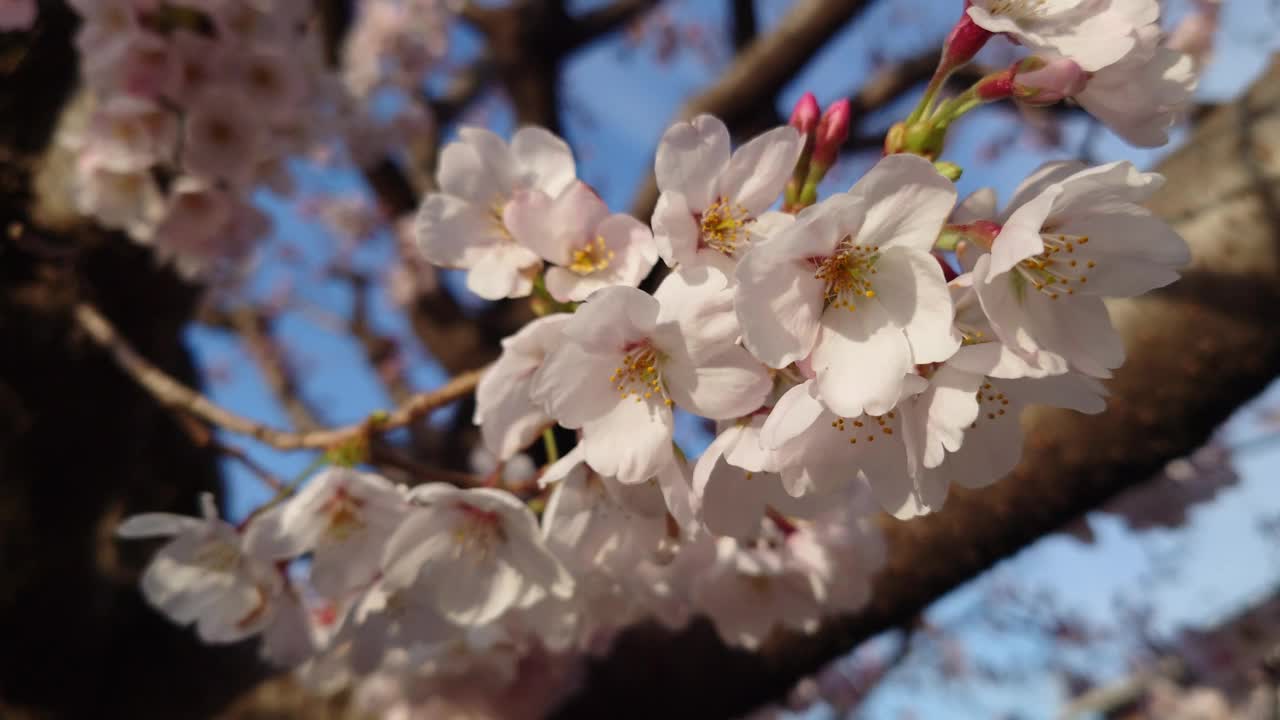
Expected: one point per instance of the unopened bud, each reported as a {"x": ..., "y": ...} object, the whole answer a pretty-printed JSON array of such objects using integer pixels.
[
  {"x": 1038, "y": 81},
  {"x": 924, "y": 139},
  {"x": 996, "y": 86},
  {"x": 804, "y": 116},
  {"x": 832, "y": 132},
  {"x": 895, "y": 139},
  {"x": 963, "y": 42}
]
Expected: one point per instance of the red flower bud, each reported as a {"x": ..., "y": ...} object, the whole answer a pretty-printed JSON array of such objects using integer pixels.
[
  {"x": 963, "y": 42},
  {"x": 804, "y": 117},
  {"x": 833, "y": 130}
]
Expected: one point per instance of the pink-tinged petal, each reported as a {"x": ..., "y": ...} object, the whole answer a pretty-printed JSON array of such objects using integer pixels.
[
  {"x": 677, "y": 494},
  {"x": 568, "y": 286},
  {"x": 631, "y": 255},
  {"x": 728, "y": 385},
  {"x": 1080, "y": 331},
  {"x": 861, "y": 359},
  {"x": 732, "y": 500},
  {"x": 564, "y": 467},
  {"x": 504, "y": 271},
  {"x": 526, "y": 216},
  {"x": 478, "y": 591},
  {"x": 913, "y": 291},
  {"x": 904, "y": 201},
  {"x": 758, "y": 171},
  {"x": 744, "y": 449},
  {"x": 1020, "y": 238},
  {"x": 1003, "y": 308},
  {"x": 794, "y": 413},
  {"x": 612, "y": 318},
  {"x": 477, "y": 167},
  {"x": 885, "y": 466},
  {"x": 697, "y": 318},
  {"x": 675, "y": 231},
  {"x": 632, "y": 441},
  {"x": 513, "y": 420},
  {"x": 544, "y": 157},
  {"x": 454, "y": 233},
  {"x": 779, "y": 303},
  {"x": 574, "y": 385},
  {"x": 951, "y": 405},
  {"x": 980, "y": 205},
  {"x": 1041, "y": 178},
  {"x": 691, "y": 155},
  {"x": 538, "y": 566}
]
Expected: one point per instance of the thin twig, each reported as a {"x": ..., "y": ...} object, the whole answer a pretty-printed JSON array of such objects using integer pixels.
[{"x": 174, "y": 394}]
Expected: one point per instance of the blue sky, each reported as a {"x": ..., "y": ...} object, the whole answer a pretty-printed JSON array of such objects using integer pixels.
[{"x": 620, "y": 101}]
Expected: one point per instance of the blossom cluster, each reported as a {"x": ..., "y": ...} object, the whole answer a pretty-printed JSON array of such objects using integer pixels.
[
  {"x": 191, "y": 106},
  {"x": 859, "y": 352}
]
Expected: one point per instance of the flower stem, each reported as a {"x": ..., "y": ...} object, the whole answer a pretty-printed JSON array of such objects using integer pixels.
[{"x": 549, "y": 444}]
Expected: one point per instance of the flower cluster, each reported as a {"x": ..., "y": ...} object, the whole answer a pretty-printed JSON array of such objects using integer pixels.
[
  {"x": 193, "y": 104},
  {"x": 858, "y": 352}
]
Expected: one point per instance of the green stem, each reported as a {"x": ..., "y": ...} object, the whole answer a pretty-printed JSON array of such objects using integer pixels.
[
  {"x": 930, "y": 94},
  {"x": 549, "y": 444}
]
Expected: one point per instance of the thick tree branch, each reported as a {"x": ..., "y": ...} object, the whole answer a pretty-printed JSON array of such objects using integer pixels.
[
  {"x": 1196, "y": 351},
  {"x": 173, "y": 394},
  {"x": 595, "y": 24}
]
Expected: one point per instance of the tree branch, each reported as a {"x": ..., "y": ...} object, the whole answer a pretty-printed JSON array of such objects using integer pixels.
[
  {"x": 760, "y": 72},
  {"x": 595, "y": 24},
  {"x": 1196, "y": 351},
  {"x": 173, "y": 394}
]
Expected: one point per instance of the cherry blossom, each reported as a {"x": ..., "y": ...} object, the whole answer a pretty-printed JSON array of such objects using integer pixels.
[
  {"x": 852, "y": 282},
  {"x": 1141, "y": 96},
  {"x": 465, "y": 225},
  {"x": 477, "y": 553},
  {"x": 629, "y": 357},
  {"x": 508, "y": 417},
  {"x": 590, "y": 248},
  {"x": 1070, "y": 237},
  {"x": 709, "y": 198},
  {"x": 1093, "y": 34},
  {"x": 204, "y": 576},
  {"x": 343, "y": 518}
]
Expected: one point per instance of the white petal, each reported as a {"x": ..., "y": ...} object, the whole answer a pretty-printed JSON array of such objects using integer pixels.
[
  {"x": 913, "y": 291},
  {"x": 794, "y": 413},
  {"x": 631, "y": 442},
  {"x": 148, "y": 525},
  {"x": 691, "y": 155},
  {"x": 759, "y": 170},
  {"x": 546, "y": 157},
  {"x": 727, "y": 385},
  {"x": 778, "y": 303},
  {"x": 905, "y": 203},
  {"x": 452, "y": 232},
  {"x": 861, "y": 359},
  {"x": 675, "y": 231}
]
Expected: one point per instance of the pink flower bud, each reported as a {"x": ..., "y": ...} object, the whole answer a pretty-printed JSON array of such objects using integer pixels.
[
  {"x": 996, "y": 86},
  {"x": 833, "y": 130},
  {"x": 964, "y": 41},
  {"x": 1045, "y": 82},
  {"x": 804, "y": 117}
]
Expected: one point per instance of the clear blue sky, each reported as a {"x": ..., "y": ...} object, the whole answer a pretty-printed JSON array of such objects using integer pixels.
[{"x": 620, "y": 101}]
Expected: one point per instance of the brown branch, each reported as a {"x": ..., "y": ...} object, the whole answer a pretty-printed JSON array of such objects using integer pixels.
[
  {"x": 747, "y": 89},
  {"x": 1196, "y": 352},
  {"x": 745, "y": 24},
  {"x": 595, "y": 24},
  {"x": 173, "y": 394}
]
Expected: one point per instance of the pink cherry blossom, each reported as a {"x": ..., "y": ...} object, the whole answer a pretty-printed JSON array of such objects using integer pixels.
[
  {"x": 852, "y": 282},
  {"x": 710, "y": 199}
]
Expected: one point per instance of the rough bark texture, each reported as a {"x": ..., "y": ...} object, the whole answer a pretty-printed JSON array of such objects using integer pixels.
[{"x": 1196, "y": 351}]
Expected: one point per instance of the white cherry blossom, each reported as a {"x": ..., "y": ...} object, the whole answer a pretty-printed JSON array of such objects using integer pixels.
[
  {"x": 1141, "y": 96},
  {"x": 464, "y": 225},
  {"x": 710, "y": 199},
  {"x": 476, "y": 553},
  {"x": 204, "y": 576},
  {"x": 853, "y": 283},
  {"x": 736, "y": 482},
  {"x": 343, "y": 518},
  {"x": 590, "y": 248},
  {"x": 1093, "y": 33},
  {"x": 1072, "y": 236},
  {"x": 508, "y": 418},
  {"x": 629, "y": 357}
]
